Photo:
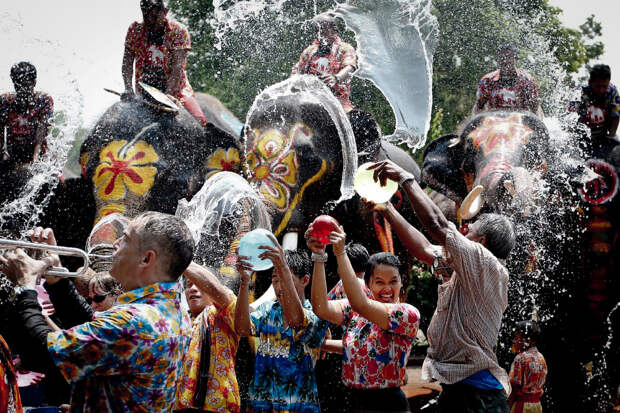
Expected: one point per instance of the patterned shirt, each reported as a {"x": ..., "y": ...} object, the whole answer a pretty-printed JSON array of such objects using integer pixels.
[
  {"x": 463, "y": 331},
  {"x": 337, "y": 293},
  {"x": 21, "y": 128},
  {"x": 340, "y": 56},
  {"x": 153, "y": 62},
  {"x": 529, "y": 371},
  {"x": 374, "y": 358},
  {"x": 598, "y": 112},
  {"x": 520, "y": 93},
  {"x": 222, "y": 389},
  {"x": 128, "y": 358},
  {"x": 10, "y": 400},
  {"x": 284, "y": 379}
]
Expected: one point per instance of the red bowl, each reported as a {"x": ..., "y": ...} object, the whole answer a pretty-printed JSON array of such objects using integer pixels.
[{"x": 322, "y": 226}]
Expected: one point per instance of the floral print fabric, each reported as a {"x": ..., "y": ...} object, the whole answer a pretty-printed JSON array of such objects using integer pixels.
[
  {"x": 529, "y": 371},
  {"x": 520, "y": 94},
  {"x": 341, "y": 55},
  {"x": 374, "y": 358},
  {"x": 156, "y": 59},
  {"x": 128, "y": 358},
  {"x": 338, "y": 293},
  {"x": 223, "y": 390},
  {"x": 284, "y": 379}
]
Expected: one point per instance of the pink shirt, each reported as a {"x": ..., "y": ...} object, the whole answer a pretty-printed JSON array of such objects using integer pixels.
[{"x": 374, "y": 358}]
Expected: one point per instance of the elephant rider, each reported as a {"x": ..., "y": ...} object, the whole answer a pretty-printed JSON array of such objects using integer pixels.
[
  {"x": 159, "y": 46},
  {"x": 507, "y": 88},
  {"x": 599, "y": 108},
  {"x": 328, "y": 57},
  {"x": 25, "y": 117}
]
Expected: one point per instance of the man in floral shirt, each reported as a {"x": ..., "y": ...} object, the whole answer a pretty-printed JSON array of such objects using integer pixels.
[
  {"x": 328, "y": 57},
  {"x": 127, "y": 358},
  {"x": 159, "y": 47},
  {"x": 507, "y": 88},
  {"x": 25, "y": 117},
  {"x": 208, "y": 382}
]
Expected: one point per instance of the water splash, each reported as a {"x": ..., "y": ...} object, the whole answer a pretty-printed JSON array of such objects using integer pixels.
[
  {"x": 396, "y": 40},
  {"x": 43, "y": 174}
]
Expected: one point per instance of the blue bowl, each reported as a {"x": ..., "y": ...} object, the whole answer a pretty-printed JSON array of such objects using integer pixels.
[{"x": 248, "y": 247}]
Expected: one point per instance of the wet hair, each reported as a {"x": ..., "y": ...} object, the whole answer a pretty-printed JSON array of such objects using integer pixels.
[
  {"x": 326, "y": 20},
  {"x": 23, "y": 71},
  {"x": 499, "y": 234},
  {"x": 600, "y": 72},
  {"x": 169, "y": 236},
  {"x": 528, "y": 329},
  {"x": 152, "y": 4},
  {"x": 358, "y": 255},
  {"x": 508, "y": 47},
  {"x": 107, "y": 284},
  {"x": 377, "y": 259},
  {"x": 299, "y": 262}
]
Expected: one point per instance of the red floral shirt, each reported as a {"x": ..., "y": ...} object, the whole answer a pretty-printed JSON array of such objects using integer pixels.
[
  {"x": 529, "y": 371},
  {"x": 341, "y": 55},
  {"x": 153, "y": 61},
  {"x": 21, "y": 128},
  {"x": 374, "y": 358},
  {"x": 518, "y": 94}
]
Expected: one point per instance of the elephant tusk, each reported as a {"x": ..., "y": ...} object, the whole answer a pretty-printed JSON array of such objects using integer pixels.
[
  {"x": 472, "y": 204},
  {"x": 290, "y": 241},
  {"x": 454, "y": 142}
]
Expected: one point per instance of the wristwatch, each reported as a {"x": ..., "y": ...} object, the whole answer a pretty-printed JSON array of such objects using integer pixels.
[
  {"x": 319, "y": 257},
  {"x": 407, "y": 177},
  {"x": 20, "y": 289}
]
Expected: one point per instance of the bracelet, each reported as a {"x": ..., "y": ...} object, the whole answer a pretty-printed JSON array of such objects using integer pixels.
[
  {"x": 342, "y": 253},
  {"x": 319, "y": 257},
  {"x": 407, "y": 177}
]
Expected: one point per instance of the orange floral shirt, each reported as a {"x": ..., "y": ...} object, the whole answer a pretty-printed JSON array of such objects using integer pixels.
[
  {"x": 222, "y": 390},
  {"x": 529, "y": 371}
]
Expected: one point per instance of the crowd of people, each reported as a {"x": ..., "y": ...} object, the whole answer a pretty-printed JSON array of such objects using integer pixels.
[{"x": 125, "y": 342}]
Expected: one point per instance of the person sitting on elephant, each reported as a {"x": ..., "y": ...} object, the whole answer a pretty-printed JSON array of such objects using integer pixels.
[
  {"x": 128, "y": 358},
  {"x": 25, "y": 117},
  {"x": 330, "y": 58},
  {"x": 379, "y": 330},
  {"x": 507, "y": 88},
  {"x": 159, "y": 47},
  {"x": 464, "y": 329},
  {"x": 599, "y": 108},
  {"x": 289, "y": 335},
  {"x": 209, "y": 362}
]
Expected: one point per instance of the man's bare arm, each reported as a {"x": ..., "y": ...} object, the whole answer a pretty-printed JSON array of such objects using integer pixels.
[
  {"x": 209, "y": 284},
  {"x": 176, "y": 71}
]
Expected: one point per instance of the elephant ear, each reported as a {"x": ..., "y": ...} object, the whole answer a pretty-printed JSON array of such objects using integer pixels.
[{"x": 441, "y": 168}]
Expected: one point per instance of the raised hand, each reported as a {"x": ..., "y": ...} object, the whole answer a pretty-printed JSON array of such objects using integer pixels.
[
  {"x": 371, "y": 206},
  {"x": 314, "y": 244},
  {"x": 244, "y": 268},
  {"x": 274, "y": 252},
  {"x": 385, "y": 170},
  {"x": 337, "y": 239},
  {"x": 21, "y": 269}
]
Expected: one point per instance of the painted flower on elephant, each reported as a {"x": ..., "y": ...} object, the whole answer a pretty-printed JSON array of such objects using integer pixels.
[
  {"x": 498, "y": 133},
  {"x": 223, "y": 160},
  {"x": 124, "y": 167},
  {"x": 273, "y": 165},
  {"x": 108, "y": 209}
]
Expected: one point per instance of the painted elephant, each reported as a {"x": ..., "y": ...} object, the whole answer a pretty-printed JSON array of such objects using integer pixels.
[{"x": 138, "y": 158}]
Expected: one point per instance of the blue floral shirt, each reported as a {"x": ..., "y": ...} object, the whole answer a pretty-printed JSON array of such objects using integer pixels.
[
  {"x": 126, "y": 359},
  {"x": 284, "y": 378}
]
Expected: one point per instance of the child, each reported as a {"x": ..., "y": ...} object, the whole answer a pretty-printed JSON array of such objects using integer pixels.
[
  {"x": 289, "y": 336},
  {"x": 528, "y": 370}
]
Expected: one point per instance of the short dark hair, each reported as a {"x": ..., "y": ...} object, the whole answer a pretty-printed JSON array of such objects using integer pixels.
[
  {"x": 107, "y": 283},
  {"x": 600, "y": 72},
  {"x": 169, "y": 236},
  {"x": 298, "y": 262},
  {"x": 528, "y": 329},
  {"x": 152, "y": 4},
  {"x": 508, "y": 47},
  {"x": 23, "y": 71},
  {"x": 498, "y": 233},
  {"x": 325, "y": 19},
  {"x": 358, "y": 255},
  {"x": 380, "y": 258}
]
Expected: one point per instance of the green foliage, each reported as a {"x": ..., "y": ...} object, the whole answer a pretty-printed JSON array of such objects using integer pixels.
[
  {"x": 263, "y": 48},
  {"x": 422, "y": 292}
]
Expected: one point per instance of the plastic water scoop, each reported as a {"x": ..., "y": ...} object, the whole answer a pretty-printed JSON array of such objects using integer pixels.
[
  {"x": 322, "y": 226},
  {"x": 248, "y": 247},
  {"x": 367, "y": 188}
]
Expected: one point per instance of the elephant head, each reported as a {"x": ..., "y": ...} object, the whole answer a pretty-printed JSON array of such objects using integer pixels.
[
  {"x": 300, "y": 151},
  {"x": 497, "y": 153}
]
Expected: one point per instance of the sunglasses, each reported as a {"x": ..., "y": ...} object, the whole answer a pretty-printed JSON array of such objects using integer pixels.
[{"x": 96, "y": 299}]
